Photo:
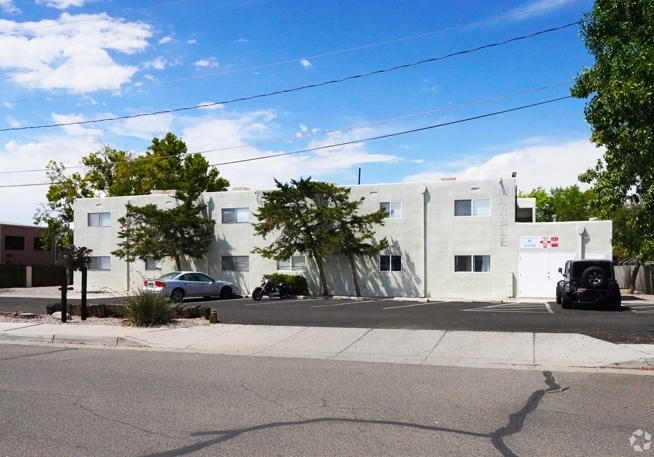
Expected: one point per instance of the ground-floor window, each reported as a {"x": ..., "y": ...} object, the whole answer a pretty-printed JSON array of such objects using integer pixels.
[
  {"x": 390, "y": 263},
  {"x": 151, "y": 264},
  {"x": 236, "y": 263},
  {"x": 474, "y": 263},
  {"x": 295, "y": 263},
  {"x": 100, "y": 263}
]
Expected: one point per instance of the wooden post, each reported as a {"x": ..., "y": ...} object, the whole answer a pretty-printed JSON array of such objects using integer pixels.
[
  {"x": 64, "y": 292},
  {"x": 83, "y": 307}
]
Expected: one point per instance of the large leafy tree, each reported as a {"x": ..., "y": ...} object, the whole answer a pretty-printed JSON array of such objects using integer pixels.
[
  {"x": 316, "y": 219},
  {"x": 620, "y": 88},
  {"x": 566, "y": 203},
  {"x": 151, "y": 232},
  {"x": 166, "y": 165}
]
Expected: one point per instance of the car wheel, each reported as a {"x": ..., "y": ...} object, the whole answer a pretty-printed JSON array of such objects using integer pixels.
[
  {"x": 593, "y": 277},
  {"x": 177, "y": 295},
  {"x": 225, "y": 293},
  {"x": 566, "y": 301},
  {"x": 558, "y": 296}
]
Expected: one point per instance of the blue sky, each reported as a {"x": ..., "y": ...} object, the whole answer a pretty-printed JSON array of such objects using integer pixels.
[{"x": 75, "y": 60}]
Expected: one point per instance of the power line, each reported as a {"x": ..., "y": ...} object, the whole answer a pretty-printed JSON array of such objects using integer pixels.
[
  {"x": 283, "y": 62},
  {"x": 379, "y": 137},
  {"x": 325, "y": 132},
  {"x": 389, "y": 135},
  {"x": 296, "y": 89}
]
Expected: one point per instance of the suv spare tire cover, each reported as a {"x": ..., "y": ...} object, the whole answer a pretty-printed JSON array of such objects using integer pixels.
[{"x": 593, "y": 277}]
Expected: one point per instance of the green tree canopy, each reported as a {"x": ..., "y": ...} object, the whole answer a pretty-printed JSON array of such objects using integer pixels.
[
  {"x": 566, "y": 203},
  {"x": 316, "y": 219},
  {"x": 619, "y": 87},
  {"x": 151, "y": 232},
  {"x": 166, "y": 165}
]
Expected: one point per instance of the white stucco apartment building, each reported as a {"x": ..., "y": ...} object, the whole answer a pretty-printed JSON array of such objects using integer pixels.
[{"x": 448, "y": 239}]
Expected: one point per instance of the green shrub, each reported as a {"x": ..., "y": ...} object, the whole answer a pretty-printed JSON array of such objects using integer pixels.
[
  {"x": 297, "y": 283},
  {"x": 147, "y": 309}
]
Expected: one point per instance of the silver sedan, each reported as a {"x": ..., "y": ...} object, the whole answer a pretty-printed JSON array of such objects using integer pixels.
[{"x": 185, "y": 284}]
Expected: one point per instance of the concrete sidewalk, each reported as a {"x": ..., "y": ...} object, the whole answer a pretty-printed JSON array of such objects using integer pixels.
[{"x": 429, "y": 347}]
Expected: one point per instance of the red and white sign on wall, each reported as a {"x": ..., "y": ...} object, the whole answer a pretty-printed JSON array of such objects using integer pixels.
[{"x": 539, "y": 242}]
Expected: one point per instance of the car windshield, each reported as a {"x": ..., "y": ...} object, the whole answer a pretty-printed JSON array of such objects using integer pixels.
[{"x": 169, "y": 275}]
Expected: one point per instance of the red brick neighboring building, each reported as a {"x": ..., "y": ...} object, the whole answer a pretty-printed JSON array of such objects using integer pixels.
[{"x": 21, "y": 245}]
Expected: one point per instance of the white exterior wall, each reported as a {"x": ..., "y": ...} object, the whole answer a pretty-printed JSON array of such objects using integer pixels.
[{"x": 427, "y": 236}]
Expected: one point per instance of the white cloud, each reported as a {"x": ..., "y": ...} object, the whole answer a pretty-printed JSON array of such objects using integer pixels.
[
  {"x": 146, "y": 127},
  {"x": 61, "y": 4},
  {"x": 8, "y": 6},
  {"x": 191, "y": 41},
  {"x": 19, "y": 204},
  {"x": 305, "y": 63},
  {"x": 8, "y": 105},
  {"x": 537, "y": 165},
  {"x": 241, "y": 40},
  {"x": 73, "y": 56},
  {"x": 303, "y": 127},
  {"x": 417, "y": 161},
  {"x": 75, "y": 130},
  {"x": 210, "y": 62},
  {"x": 315, "y": 130},
  {"x": 157, "y": 64},
  {"x": 13, "y": 122},
  {"x": 150, "y": 77},
  {"x": 535, "y": 7},
  {"x": 166, "y": 39}
]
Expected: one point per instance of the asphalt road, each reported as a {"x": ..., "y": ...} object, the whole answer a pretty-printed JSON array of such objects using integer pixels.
[
  {"x": 95, "y": 402},
  {"x": 634, "y": 324}
]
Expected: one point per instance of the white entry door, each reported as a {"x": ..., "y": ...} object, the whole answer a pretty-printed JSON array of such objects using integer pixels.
[{"x": 539, "y": 272}]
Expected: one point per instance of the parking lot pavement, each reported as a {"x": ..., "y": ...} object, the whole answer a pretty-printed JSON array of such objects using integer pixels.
[{"x": 634, "y": 324}]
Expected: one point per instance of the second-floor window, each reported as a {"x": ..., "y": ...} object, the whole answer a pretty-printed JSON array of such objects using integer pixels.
[
  {"x": 393, "y": 209},
  {"x": 99, "y": 219},
  {"x": 14, "y": 243},
  {"x": 236, "y": 215},
  {"x": 476, "y": 207}
]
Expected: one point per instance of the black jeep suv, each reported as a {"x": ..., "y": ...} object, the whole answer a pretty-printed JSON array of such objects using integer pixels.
[{"x": 588, "y": 281}]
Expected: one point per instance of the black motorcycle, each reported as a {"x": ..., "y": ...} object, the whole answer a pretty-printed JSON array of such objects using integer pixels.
[{"x": 271, "y": 288}]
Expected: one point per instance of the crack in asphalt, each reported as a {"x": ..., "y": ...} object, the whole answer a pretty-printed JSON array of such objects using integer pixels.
[
  {"x": 515, "y": 425},
  {"x": 40, "y": 353},
  {"x": 127, "y": 424}
]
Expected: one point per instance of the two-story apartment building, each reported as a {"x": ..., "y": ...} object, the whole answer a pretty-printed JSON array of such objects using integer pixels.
[{"x": 448, "y": 239}]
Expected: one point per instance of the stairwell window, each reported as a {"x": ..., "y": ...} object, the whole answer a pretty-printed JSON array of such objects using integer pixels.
[
  {"x": 236, "y": 215},
  {"x": 393, "y": 209},
  {"x": 99, "y": 219},
  {"x": 100, "y": 263},
  {"x": 390, "y": 263}
]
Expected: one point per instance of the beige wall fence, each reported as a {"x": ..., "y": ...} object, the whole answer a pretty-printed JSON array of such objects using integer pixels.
[
  {"x": 29, "y": 276},
  {"x": 644, "y": 281}
]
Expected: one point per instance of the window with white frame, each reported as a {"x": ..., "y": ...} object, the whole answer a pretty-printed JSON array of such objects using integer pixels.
[
  {"x": 100, "y": 263},
  {"x": 236, "y": 215},
  {"x": 390, "y": 263},
  {"x": 236, "y": 263},
  {"x": 393, "y": 209},
  {"x": 295, "y": 263},
  {"x": 472, "y": 263},
  {"x": 152, "y": 264},
  {"x": 472, "y": 207},
  {"x": 99, "y": 219}
]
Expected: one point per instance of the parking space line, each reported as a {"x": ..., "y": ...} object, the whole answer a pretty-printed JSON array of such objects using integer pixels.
[
  {"x": 518, "y": 307},
  {"x": 549, "y": 308},
  {"x": 325, "y": 306},
  {"x": 410, "y": 306}
]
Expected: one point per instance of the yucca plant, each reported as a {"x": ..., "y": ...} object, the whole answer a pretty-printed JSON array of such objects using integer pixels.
[{"x": 147, "y": 309}]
